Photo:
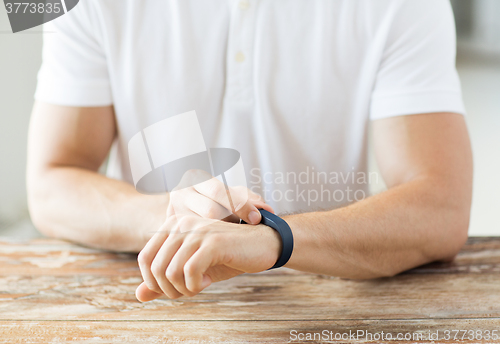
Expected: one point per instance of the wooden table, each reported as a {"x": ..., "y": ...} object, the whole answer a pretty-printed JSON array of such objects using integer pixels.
[{"x": 53, "y": 291}]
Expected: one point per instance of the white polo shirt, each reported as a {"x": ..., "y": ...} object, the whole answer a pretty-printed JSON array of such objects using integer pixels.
[{"x": 290, "y": 84}]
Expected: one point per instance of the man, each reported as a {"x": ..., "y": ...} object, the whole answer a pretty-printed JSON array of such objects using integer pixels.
[{"x": 290, "y": 84}]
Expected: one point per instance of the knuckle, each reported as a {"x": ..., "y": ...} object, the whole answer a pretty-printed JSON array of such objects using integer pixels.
[
  {"x": 190, "y": 173},
  {"x": 180, "y": 228},
  {"x": 189, "y": 270},
  {"x": 174, "y": 195},
  {"x": 170, "y": 224},
  {"x": 144, "y": 259},
  {"x": 188, "y": 176},
  {"x": 157, "y": 271},
  {"x": 181, "y": 221},
  {"x": 173, "y": 274},
  {"x": 185, "y": 223},
  {"x": 211, "y": 242}
]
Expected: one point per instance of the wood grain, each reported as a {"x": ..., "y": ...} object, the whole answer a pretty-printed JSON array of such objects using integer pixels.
[
  {"x": 235, "y": 331},
  {"x": 53, "y": 291}
]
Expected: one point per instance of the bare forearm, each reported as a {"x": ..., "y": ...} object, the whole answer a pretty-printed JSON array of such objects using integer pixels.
[
  {"x": 406, "y": 226},
  {"x": 85, "y": 207}
]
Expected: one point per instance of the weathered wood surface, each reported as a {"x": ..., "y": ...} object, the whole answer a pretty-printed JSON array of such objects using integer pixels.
[
  {"x": 53, "y": 291},
  {"x": 231, "y": 331}
]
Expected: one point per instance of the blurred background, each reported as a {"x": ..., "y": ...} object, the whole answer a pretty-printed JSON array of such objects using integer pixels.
[{"x": 478, "y": 63}]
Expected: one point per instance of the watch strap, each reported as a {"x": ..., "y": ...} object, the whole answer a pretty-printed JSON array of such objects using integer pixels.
[{"x": 285, "y": 232}]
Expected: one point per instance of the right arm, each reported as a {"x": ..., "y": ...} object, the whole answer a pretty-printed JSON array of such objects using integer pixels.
[{"x": 68, "y": 198}]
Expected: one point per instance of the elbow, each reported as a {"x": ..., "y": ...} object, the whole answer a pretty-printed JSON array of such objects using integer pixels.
[
  {"x": 447, "y": 237},
  {"x": 454, "y": 241},
  {"x": 38, "y": 218},
  {"x": 458, "y": 226},
  {"x": 451, "y": 234},
  {"x": 38, "y": 203},
  {"x": 448, "y": 208},
  {"x": 41, "y": 224}
]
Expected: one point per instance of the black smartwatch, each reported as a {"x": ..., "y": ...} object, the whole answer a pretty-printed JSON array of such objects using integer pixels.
[{"x": 283, "y": 229}]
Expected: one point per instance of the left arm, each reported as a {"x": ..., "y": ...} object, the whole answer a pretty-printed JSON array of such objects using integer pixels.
[{"x": 426, "y": 162}]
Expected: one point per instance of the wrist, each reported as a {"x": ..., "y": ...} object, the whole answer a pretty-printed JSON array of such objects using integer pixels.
[
  {"x": 272, "y": 243},
  {"x": 285, "y": 234}
]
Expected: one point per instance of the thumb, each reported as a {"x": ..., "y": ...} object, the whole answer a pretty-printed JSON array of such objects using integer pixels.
[
  {"x": 250, "y": 212},
  {"x": 143, "y": 294}
]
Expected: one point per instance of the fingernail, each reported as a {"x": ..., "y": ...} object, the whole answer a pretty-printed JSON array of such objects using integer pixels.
[{"x": 254, "y": 217}]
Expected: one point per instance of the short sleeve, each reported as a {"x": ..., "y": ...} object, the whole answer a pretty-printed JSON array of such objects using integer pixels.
[
  {"x": 74, "y": 70},
  {"x": 417, "y": 73}
]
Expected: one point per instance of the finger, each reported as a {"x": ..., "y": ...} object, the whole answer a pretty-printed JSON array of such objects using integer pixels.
[
  {"x": 247, "y": 204},
  {"x": 178, "y": 202},
  {"x": 144, "y": 294},
  {"x": 179, "y": 209},
  {"x": 148, "y": 254},
  {"x": 265, "y": 206},
  {"x": 175, "y": 270},
  {"x": 259, "y": 202},
  {"x": 249, "y": 212},
  {"x": 207, "y": 208},
  {"x": 194, "y": 270},
  {"x": 162, "y": 260},
  {"x": 192, "y": 177},
  {"x": 240, "y": 200},
  {"x": 215, "y": 190}
]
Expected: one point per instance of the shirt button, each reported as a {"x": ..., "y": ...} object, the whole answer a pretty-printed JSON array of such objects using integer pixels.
[
  {"x": 240, "y": 57},
  {"x": 244, "y": 5}
]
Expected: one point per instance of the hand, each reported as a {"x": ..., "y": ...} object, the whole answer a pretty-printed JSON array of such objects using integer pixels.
[
  {"x": 200, "y": 194},
  {"x": 189, "y": 253}
]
